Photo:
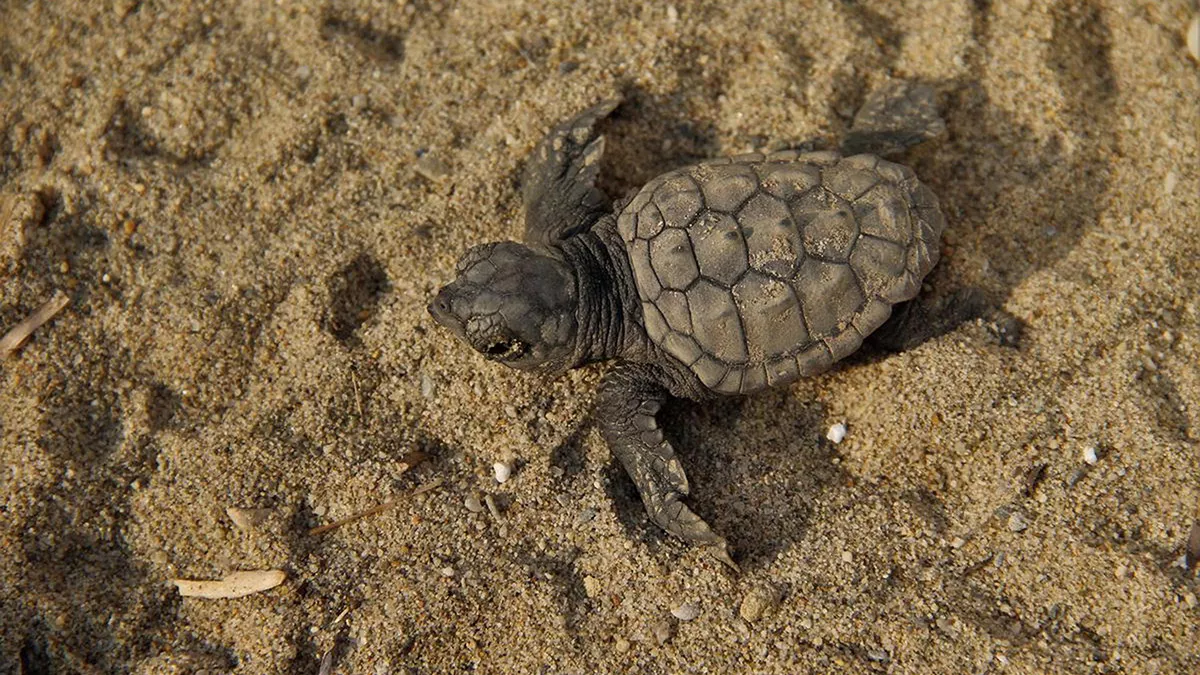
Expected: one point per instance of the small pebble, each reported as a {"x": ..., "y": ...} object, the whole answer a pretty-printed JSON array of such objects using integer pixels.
[
  {"x": 1017, "y": 522},
  {"x": 758, "y": 601},
  {"x": 491, "y": 506},
  {"x": 847, "y": 557},
  {"x": 303, "y": 73},
  {"x": 591, "y": 586},
  {"x": 447, "y": 572},
  {"x": 473, "y": 504},
  {"x": 836, "y": 433},
  {"x": 431, "y": 169},
  {"x": 247, "y": 520},
  {"x": 686, "y": 612},
  {"x": 503, "y": 471},
  {"x": 587, "y": 515},
  {"x": 1089, "y": 455},
  {"x": 661, "y": 631}
]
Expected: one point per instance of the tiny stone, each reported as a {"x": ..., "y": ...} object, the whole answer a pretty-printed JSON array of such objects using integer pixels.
[
  {"x": 661, "y": 631},
  {"x": 878, "y": 655},
  {"x": 473, "y": 504},
  {"x": 591, "y": 586},
  {"x": 957, "y": 542},
  {"x": 686, "y": 612},
  {"x": 587, "y": 515},
  {"x": 431, "y": 169},
  {"x": 491, "y": 506},
  {"x": 319, "y": 511},
  {"x": 447, "y": 572},
  {"x": 557, "y": 472},
  {"x": 621, "y": 645},
  {"x": 562, "y": 499},
  {"x": 1170, "y": 182},
  {"x": 1189, "y": 598},
  {"x": 303, "y": 73},
  {"x": 1017, "y": 522},
  {"x": 503, "y": 471},
  {"x": 358, "y": 101},
  {"x": 836, "y": 433},
  {"x": 426, "y": 386},
  {"x": 1089, "y": 455},
  {"x": 847, "y": 557},
  {"x": 247, "y": 519},
  {"x": 758, "y": 601}
]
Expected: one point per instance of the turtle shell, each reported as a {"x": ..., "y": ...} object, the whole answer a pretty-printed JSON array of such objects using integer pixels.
[{"x": 756, "y": 270}]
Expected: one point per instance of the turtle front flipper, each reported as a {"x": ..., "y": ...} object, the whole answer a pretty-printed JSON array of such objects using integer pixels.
[
  {"x": 559, "y": 183},
  {"x": 894, "y": 118},
  {"x": 629, "y": 400}
]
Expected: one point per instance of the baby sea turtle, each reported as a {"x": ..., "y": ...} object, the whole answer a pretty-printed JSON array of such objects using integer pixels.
[{"x": 721, "y": 278}]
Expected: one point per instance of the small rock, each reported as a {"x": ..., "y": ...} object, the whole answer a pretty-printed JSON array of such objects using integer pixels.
[
  {"x": 1089, "y": 455},
  {"x": 758, "y": 601},
  {"x": 447, "y": 572},
  {"x": 591, "y": 586},
  {"x": 836, "y": 433},
  {"x": 621, "y": 645},
  {"x": 490, "y": 502},
  {"x": 1017, "y": 522},
  {"x": 247, "y": 520},
  {"x": 686, "y": 612},
  {"x": 661, "y": 631},
  {"x": 473, "y": 504},
  {"x": 587, "y": 515},
  {"x": 503, "y": 471},
  {"x": 432, "y": 169}
]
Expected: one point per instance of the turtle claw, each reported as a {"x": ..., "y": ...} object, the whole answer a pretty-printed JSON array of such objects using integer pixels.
[{"x": 675, "y": 517}]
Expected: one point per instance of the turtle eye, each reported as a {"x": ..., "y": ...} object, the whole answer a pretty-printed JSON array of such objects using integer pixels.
[{"x": 505, "y": 350}]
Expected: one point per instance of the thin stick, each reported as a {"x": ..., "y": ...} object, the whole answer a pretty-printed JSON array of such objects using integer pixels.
[
  {"x": 376, "y": 510},
  {"x": 16, "y": 337}
]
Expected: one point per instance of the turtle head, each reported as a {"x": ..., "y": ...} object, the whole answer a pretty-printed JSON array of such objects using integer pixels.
[{"x": 513, "y": 304}]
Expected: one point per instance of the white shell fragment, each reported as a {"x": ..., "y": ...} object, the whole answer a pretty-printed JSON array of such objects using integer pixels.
[
  {"x": 1193, "y": 37},
  {"x": 836, "y": 433},
  {"x": 686, "y": 612},
  {"x": 247, "y": 520},
  {"x": 1089, "y": 455},
  {"x": 503, "y": 471},
  {"x": 234, "y": 585}
]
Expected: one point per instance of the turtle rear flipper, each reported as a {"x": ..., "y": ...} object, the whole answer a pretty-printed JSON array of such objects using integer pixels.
[
  {"x": 893, "y": 119},
  {"x": 559, "y": 183},
  {"x": 629, "y": 401}
]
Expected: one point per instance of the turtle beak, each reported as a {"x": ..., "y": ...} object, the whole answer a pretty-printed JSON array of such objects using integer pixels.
[{"x": 441, "y": 311}]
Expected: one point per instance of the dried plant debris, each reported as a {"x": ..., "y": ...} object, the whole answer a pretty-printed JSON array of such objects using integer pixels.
[
  {"x": 391, "y": 503},
  {"x": 19, "y": 333},
  {"x": 234, "y": 585}
]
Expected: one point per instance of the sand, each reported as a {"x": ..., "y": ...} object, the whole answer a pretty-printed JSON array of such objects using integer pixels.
[{"x": 250, "y": 204}]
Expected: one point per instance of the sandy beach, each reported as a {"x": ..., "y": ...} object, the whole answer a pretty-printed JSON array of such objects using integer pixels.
[{"x": 246, "y": 207}]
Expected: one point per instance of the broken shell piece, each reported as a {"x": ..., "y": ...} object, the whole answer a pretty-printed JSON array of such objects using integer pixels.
[{"x": 234, "y": 585}]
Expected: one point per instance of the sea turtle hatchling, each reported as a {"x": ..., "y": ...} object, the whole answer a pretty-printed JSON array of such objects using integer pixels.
[{"x": 720, "y": 278}]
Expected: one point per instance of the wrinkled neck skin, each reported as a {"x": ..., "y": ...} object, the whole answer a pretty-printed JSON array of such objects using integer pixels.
[{"x": 608, "y": 311}]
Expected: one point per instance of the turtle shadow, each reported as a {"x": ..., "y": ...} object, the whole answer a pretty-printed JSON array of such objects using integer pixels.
[{"x": 755, "y": 483}]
